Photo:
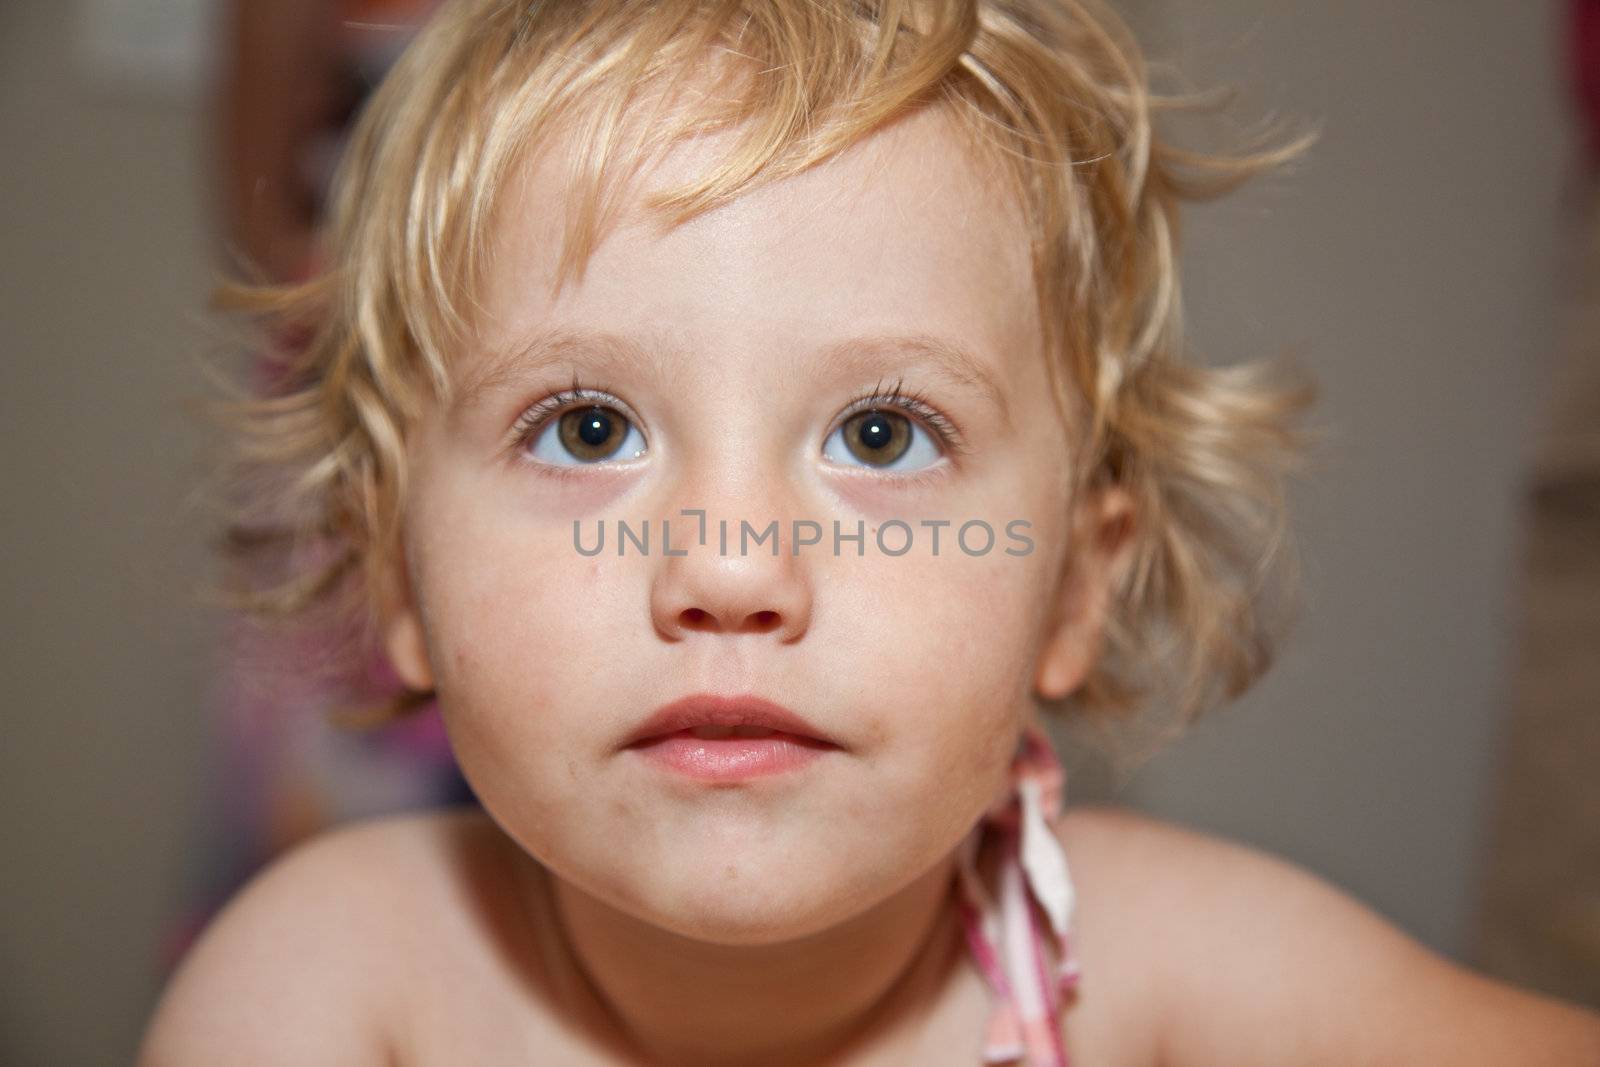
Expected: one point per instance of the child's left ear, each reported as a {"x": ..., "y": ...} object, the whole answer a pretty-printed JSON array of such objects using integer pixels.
[{"x": 1100, "y": 553}]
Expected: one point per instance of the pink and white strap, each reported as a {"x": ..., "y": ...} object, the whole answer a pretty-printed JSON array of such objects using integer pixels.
[{"x": 1011, "y": 947}]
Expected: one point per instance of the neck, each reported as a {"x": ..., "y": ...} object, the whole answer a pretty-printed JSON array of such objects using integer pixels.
[{"x": 853, "y": 987}]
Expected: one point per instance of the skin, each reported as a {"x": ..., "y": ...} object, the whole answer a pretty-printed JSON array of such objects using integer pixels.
[
  {"x": 782, "y": 911},
  {"x": 604, "y": 912}
]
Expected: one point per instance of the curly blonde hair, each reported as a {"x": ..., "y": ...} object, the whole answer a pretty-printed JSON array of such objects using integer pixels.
[{"x": 1054, "y": 91}]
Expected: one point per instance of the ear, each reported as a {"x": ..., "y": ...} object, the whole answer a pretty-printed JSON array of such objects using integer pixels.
[
  {"x": 1100, "y": 552},
  {"x": 403, "y": 636}
]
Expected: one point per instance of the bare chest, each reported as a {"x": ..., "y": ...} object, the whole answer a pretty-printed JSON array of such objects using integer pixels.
[
  {"x": 475, "y": 1013},
  {"x": 473, "y": 980}
]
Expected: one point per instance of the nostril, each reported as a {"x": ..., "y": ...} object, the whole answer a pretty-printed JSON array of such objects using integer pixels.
[{"x": 701, "y": 619}]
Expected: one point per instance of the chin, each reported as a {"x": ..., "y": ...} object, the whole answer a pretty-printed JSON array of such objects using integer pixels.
[{"x": 730, "y": 905}]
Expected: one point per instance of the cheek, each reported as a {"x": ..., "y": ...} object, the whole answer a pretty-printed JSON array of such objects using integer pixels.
[
  {"x": 946, "y": 646},
  {"x": 523, "y": 633},
  {"x": 962, "y": 623}
]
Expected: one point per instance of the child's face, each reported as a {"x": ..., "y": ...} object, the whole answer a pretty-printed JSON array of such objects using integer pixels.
[{"x": 923, "y": 667}]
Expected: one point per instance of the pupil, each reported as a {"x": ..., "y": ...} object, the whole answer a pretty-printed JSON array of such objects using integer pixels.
[
  {"x": 594, "y": 428},
  {"x": 875, "y": 432}
]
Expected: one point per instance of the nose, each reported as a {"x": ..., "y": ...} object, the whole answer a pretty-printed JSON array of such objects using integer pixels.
[{"x": 746, "y": 590}]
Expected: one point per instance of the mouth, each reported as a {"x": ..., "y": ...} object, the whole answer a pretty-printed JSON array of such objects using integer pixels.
[{"x": 710, "y": 717}]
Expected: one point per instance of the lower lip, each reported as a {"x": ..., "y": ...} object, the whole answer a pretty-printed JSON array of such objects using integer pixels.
[{"x": 731, "y": 759}]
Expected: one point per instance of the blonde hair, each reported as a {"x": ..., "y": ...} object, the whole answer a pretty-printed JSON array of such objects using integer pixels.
[{"x": 1054, "y": 92}]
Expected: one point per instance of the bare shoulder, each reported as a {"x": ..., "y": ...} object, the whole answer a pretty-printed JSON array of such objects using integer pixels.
[
  {"x": 1253, "y": 959},
  {"x": 299, "y": 964}
]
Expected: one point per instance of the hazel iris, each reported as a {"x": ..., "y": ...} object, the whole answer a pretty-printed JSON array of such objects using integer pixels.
[
  {"x": 593, "y": 432},
  {"x": 877, "y": 437}
]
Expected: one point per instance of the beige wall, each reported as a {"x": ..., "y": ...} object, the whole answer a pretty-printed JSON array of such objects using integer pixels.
[
  {"x": 1411, "y": 263},
  {"x": 103, "y": 262}
]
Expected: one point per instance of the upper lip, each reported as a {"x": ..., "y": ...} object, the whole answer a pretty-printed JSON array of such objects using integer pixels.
[{"x": 709, "y": 709}]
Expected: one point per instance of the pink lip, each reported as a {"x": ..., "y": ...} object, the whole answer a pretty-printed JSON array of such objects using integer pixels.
[
  {"x": 709, "y": 709},
  {"x": 731, "y": 759},
  {"x": 665, "y": 739}
]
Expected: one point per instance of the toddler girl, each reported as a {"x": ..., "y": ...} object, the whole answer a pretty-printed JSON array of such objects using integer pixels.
[{"x": 752, "y": 422}]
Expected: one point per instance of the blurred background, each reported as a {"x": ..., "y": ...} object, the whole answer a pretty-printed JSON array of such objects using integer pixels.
[{"x": 1430, "y": 740}]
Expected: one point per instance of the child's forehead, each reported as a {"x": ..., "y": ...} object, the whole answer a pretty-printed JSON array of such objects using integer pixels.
[{"x": 905, "y": 232}]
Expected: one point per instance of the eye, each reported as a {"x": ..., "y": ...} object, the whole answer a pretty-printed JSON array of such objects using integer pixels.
[
  {"x": 881, "y": 440},
  {"x": 592, "y": 433}
]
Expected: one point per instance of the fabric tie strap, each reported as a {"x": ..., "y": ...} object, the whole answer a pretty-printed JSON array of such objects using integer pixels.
[{"x": 1011, "y": 946}]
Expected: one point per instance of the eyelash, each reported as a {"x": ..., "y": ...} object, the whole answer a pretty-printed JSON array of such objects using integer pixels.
[
  {"x": 911, "y": 402},
  {"x": 532, "y": 422}
]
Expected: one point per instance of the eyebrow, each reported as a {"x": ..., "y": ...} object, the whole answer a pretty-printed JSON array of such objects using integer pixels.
[
  {"x": 945, "y": 357},
  {"x": 610, "y": 350},
  {"x": 622, "y": 354}
]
